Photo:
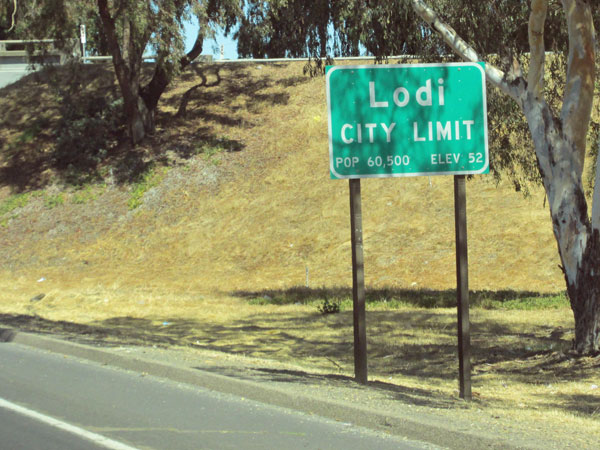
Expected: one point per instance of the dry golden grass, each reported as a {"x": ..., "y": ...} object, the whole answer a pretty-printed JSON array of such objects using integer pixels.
[
  {"x": 273, "y": 211},
  {"x": 255, "y": 220}
]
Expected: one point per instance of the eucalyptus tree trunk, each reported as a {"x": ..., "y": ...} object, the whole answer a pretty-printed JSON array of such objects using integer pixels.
[
  {"x": 585, "y": 298},
  {"x": 560, "y": 149},
  {"x": 578, "y": 243}
]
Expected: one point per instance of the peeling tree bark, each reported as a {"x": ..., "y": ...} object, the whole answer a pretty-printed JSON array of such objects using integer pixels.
[
  {"x": 537, "y": 19},
  {"x": 579, "y": 90},
  {"x": 585, "y": 298},
  {"x": 560, "y": 149}
]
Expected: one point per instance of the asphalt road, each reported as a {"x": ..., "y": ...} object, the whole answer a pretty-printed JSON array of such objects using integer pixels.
[{"x": 49, "y": 401}]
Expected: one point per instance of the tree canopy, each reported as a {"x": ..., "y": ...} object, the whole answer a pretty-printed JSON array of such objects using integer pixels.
[
  {"x": 294, "y": 28},
  {"x": 127, "y": 29},
  {"x": 301, "y": 28}
]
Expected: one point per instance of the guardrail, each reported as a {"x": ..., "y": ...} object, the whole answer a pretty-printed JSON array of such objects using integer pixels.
[
  {"x": 16, "y": 52},
  {"x": 201, "y": 58},
  {"x": 210, "y": 59},
  {"x": 4, "y": 44},
  {"x": 16, "y": 61},
  {"x": 17, "y": 48}
]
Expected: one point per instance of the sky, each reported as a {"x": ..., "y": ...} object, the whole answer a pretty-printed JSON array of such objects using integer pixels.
[{"x": 211, "y": 46}]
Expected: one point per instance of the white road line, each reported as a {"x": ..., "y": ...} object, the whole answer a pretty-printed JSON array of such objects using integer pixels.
[{"x": 95, "y": 438}]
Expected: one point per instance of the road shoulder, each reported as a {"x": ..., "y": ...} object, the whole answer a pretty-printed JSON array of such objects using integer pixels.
[{"x": 378, "y": 406}]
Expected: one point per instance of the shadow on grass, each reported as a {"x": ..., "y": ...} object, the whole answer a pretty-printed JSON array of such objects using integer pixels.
[
  {"x": 422, "y": 298},
  {"x": 402, "y": 343},
  {"x": 580, "y": 404},
  {"x": 66, "y": 124}
]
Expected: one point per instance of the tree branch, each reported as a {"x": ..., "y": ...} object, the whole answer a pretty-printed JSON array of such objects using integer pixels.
[
  {"x": 162, "y": 77},
  {"x": 195, "y": 51},
  {"x": 497, "y": 77},
  {"x": 12, "y": 17},
  {"x": 579, "y": 90},
  {"x": 537, "y": 20}
]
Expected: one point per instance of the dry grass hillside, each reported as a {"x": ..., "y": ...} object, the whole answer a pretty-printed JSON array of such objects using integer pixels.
[{"x": 234, "y": 195}]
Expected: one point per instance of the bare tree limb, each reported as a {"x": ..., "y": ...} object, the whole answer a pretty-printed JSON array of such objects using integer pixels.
[
  {"x": 12, "y": 17},
  {"x": 195, "y": 51},
  {"x": 497, "y": 77},
  {"x": 537, "y": 20},
  {"x": 579, "y": 90}
]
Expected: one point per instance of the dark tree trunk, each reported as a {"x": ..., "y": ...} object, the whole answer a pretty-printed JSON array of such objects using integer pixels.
[
  {"x": 128, "y": 74},
  {"x": 584, "y": 295},
  {"x": 140, "y": 121},
  {"x": 151, "y": 93}
]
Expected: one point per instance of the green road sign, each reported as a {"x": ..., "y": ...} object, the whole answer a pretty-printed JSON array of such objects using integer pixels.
[{"x": 407, "y": 120}]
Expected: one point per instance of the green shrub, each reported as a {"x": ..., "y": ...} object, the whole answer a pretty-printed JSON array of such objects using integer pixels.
[
  {"x": 87, "y": 193},
  {"x": 10, "y": 204},
  {"x": 329, "y": 306},
  {"x": 13, "y": 202},
  {"x": 146, "y": 181},
  {"x": 52, "y": 201}
]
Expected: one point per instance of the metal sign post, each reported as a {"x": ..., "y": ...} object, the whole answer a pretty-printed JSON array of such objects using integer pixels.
[
  {"x": 83, "y": 40},
  {"x": 358, "y": 284},
  {"x": 462, "y": 287}
]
